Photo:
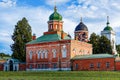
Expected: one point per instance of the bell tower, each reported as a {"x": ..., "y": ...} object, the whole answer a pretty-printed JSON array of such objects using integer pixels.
[
  {"x": 55, "y": 22},
  {"x": 110, "y": 34},
  {"x": 81, "y": 32}
]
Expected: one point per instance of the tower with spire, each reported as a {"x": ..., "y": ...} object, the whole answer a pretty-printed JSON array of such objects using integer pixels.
[
  {"x": 81, "y": 32},
  {"x": 110, "y": 34}
]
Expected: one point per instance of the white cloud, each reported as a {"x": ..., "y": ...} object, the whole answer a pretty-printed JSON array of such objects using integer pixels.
[
  {"x": 7, "y": 3},
  {"x": 57, "y": 2}
]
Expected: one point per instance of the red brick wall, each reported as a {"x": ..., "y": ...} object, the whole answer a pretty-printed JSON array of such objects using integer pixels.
[
  {"x": 65, "y": 62},
  {"x": 1, "y": 67},
  {"x": 22, "y": 66},
  {"x": 84, "y": 64},
  {"x": 117, "y": 65}
]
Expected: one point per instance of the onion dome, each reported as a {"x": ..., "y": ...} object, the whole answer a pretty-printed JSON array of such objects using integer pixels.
[
  {"x": 108, "y": 28},
  {"x": 81, "y": 26},
  {"x": 55, "y": 15}
]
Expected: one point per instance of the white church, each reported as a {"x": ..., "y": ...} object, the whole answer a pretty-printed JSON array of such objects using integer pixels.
[{"x": 110, "y": 34}]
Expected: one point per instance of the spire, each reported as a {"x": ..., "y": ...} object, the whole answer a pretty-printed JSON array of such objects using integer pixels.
[
  {"x": 55, "y": 8},
  {"x": 81, "y": 19},
  {"x": 108, "y": 20}
]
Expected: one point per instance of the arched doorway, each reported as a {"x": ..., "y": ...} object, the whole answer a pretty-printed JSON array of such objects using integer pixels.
[{"x": 11, "y": 65}]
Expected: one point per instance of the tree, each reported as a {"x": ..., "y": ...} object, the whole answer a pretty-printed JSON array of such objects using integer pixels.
[
  {"x": 105, "y": 45},
  {"x": 100, "y": 44},
  {"x": 94, "y": 40},
  {"x": 118, "y": 49},
  {"x": 21, "y": 35},
  {"x": 4, "y": 55}
]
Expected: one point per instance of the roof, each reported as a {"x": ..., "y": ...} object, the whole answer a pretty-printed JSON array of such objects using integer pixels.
[
  {"x": 93, "y": 56},
  {"x": 108, "y": 28},
  {"x": 81, "y": 26},
  {"x": 55, "y": 15},
  {"x": 48, "y": 38}
]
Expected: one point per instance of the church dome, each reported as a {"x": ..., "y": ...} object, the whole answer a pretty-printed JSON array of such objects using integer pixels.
[
  {"x": 55, "y": 15},
  {"x": 108, "y": 28},
  {"x": 81, "y": 26}
]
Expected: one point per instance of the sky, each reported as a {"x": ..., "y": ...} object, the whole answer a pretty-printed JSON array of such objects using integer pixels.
[{"x": 93, "y": 12}]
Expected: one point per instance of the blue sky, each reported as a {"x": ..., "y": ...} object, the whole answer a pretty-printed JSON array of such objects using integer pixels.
[{"x": 93, "y": 12}]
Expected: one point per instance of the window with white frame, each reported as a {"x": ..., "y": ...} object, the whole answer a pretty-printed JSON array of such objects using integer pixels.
[
  {"x": 31, "y": 53},
  {"x": 98, "y": 65},
  {"x": 54, "y": 53},
  {"x": 64, "y": 52},
  {"x": 107, "y": 64},
  {"x": 42, "y": 55},
  {"x": 46, "y": 54},
  {"x": 91, "y": 65},
  {"x": 39, "y": 53}
]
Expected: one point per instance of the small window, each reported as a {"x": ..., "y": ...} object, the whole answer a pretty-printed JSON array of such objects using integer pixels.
[
  {"x": 46, "y": 66},
  {"x": 43, "y": 66},
  {"x": 30, "y": 66},
  {"x": 38, "y": 66},
  {"x": 91, "y": 65},
  {"x": 107, "y": 64},
  {"x": 76, "y": 66},
  {"x": 55, "y": 65},
  {"x": 98, "y": 65}
]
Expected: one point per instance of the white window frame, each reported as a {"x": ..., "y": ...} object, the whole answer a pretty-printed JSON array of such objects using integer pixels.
[
  {"x": 39, "y": 54},
  {"x": 54, "y": 53},
  {"x": 30, "y": 54},
  {"x": 64, "y": 52}
]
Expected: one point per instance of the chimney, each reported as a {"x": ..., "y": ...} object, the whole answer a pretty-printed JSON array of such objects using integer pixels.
[{"x": 34, "y": 37}]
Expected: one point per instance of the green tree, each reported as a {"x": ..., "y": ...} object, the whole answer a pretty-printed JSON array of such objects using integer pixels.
[
  {"x": 105, "y": 45},
  {"x": 118, "y": 49},
  {"x": 21, "y": 35},
  {"x": 4, "y": 55},
  {"x": 100, "y": 44},
  {"x": 94, "y": 40}
]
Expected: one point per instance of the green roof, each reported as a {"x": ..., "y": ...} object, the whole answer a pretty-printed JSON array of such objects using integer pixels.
[
  {"x": 47, "y": 38},
  {"x": 108, "y": 28},
  {"x": 55, "y": 15},
  {"x": 93, "y": 56}
]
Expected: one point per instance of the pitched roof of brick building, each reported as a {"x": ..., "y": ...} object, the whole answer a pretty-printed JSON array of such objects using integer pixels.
[
  {"x": 93, "y": 56},
  {"x": 48, "y": 38}
]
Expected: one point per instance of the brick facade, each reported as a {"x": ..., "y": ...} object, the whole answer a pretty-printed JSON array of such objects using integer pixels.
[
  {"x": 101, "y": 64},
  {"x": 58, "y": 62}
]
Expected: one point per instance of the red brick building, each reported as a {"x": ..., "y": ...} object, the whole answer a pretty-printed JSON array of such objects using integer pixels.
[
  {"x": 94, "y": 62},
  {"x": 55, "y": 48}
]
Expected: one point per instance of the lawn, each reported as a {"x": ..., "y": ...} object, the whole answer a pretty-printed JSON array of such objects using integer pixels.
[{"x": 61, "y": 75}]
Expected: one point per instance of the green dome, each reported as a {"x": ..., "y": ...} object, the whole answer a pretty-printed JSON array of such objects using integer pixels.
[
  {"x": 108, "y": 28},
  {"x": 55, "y": 15}
]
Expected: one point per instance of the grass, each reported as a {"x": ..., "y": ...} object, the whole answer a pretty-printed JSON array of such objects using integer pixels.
[{"x": 61, "y": 75}]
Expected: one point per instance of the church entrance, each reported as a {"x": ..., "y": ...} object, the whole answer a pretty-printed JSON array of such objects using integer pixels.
[{"x": 11, "y": 65}]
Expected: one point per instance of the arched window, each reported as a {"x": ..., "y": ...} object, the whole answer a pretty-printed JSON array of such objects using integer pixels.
[
  {"x": 30, "y": 54},
  {"x": 46, "y": 54},
  {"x": 54, "y": 53},
  {"x": 39, "y": 53},
  {"x": 42, "y": 55},
  {"x": 64, "y": 51}
]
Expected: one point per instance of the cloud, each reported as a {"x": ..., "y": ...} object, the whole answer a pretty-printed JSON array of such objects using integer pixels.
[
  {"x": 7, "y": 3},
  {"x": 57, "y": 2}
]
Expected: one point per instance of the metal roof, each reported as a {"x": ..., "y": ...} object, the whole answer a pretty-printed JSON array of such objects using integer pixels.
[{"x": 94, "y": 56}]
